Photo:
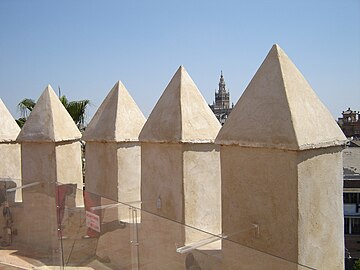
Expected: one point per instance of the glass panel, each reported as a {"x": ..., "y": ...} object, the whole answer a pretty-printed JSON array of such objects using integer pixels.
[
  {"x": 29, "y": 230},
  {"x": 96, "y": 235},
  {"x": 112, "y": 235},
  {"x": 163, "y": 244},
  {"x": 13, "y": 188},
  {"x": 64, "y": 227}
]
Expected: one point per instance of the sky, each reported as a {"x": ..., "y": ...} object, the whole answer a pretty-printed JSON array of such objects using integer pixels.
[{"x": 85, "y": 47}]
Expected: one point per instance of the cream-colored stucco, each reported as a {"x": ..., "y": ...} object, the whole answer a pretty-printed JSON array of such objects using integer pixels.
[
  {"x": 259, "y": 186},
  {"x": 202, "y": 196},
  {"x": 280, "y": 110},
  {"x": 182, "y": 182},
  {"x": 68, "y": 163},
  {"x": 101, "y": 169},
  {"x": 10, "y": 161},
  {"x": 9, "y": 129},
  {"x": 129, "y": 173},
  {"x": 49, "y": 121},
  {"x": 10, "y": 167},
  {"x": 320, "y": 209},
  {"x": 36, "y": 222},
  {"x": 281, "y": 169},
  {"x": 162, "y": 179},
  {"x": 181, "y": 114},
  {"x": 37, "y": 226},
  {"x": 47, "y": 163},
  {"x": 117, "y": 119},
  {"x": 113, "y": 164},
  {"x": 38, "y": 162},
  {"x": 113, "y": 170},
  {"x": 50, "y": 154},
  {"x": 69, "y": 168},
  {"x": 294, "y": 197},
  {"x": 180, "y": 178}
]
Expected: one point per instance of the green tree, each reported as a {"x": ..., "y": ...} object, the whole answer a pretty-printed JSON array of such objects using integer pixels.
[
  {"x": 76, "y": 109},
  {"x": 25, "y": 107},
  {"x": 356, "y": 265}
]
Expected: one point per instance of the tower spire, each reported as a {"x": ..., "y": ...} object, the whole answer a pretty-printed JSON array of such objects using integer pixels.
[
  {"x": 222, "y": 86},
  {"x": 221, "y": 106}
]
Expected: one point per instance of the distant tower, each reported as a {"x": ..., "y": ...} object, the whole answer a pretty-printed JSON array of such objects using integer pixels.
[
  {"x": 350, "y": 123},
  {"x": 221, "y": 106}
]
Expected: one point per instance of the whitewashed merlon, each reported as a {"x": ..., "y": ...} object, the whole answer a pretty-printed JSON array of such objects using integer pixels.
[
  {"x": 281, "y": 169},
  {"x": 181, "y": 114},
  {"x": 180, "y": 164},
  {"x": 9, "y": 129},
  {"x": 280, "y": 110},
  {"x": 10, "y": 165},
  {"x": 49, "y": 121},
  {"x": 118, "y": 118}
]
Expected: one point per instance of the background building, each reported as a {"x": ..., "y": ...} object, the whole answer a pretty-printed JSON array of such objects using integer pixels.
[
  {"x": 351, "y": 165},
  {"x": 350, "y": 123},
  {"x": 221, "y": 105}
]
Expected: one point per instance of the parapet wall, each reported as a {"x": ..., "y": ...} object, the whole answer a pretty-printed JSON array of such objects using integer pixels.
[{"x": 264, "y": 180}]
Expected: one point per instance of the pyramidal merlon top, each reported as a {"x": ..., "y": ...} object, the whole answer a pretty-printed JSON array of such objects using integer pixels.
[
  {"x": 118, "y": 118},
  {"x": 279, "y": 109},
  {"x": 181, "y": 114},
  {"x": 49, "y": 121},
  {"x": 9, "y": 129}
]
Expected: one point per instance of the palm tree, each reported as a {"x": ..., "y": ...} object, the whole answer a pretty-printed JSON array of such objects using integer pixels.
[
  {"x": 76, "y": 109},
  {"x": 25, "y": 107}
]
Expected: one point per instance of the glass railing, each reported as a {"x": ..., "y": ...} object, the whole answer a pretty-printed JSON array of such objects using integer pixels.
[
  {"x": 29, "y": 228},
  {"x": 62, "y": 227}
]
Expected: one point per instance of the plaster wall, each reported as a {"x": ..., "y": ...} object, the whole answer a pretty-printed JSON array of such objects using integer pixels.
[
  {"x": 38, "y": 162},
  {"x": 68, "y": 163},
  {"x": 161, "y": 170},
  {"x": 162, "y": 178},
  {"x": 114, "y": 243},
  {"x": 37, "y": 227},
  {"x": 259, "y": 186},
  {"x": 243, "y": 258},
  {"x": 113, "y": 171},
  {"x": 129, "y": 176},
  {"x": 101, "y": 169},
  {"x": 186, "y": 178},
  {"x": 320, "y": 225},
  {"x": 202, "y": 190},
  {"x": 69, "y": 169},
  {"x": 10, "y": 165},
  {"x": 158, "y": 239}
]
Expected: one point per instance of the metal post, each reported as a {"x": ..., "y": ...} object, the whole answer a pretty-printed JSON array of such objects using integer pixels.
[{"x": 134, "y": 241}]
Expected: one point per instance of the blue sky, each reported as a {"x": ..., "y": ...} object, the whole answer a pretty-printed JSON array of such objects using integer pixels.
[{"x": 86, "y": 46}]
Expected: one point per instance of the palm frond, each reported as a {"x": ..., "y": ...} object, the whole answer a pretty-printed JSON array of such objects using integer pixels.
[
  {"x": 21, "y": 121},
  {"x": 77, "y": 111},
  {"x": 25, "y": 107},
  {"x": 64, "y": 101}
]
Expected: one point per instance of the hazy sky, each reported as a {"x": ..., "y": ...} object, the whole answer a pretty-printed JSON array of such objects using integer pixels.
[{"x": 86, "y": 46}]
